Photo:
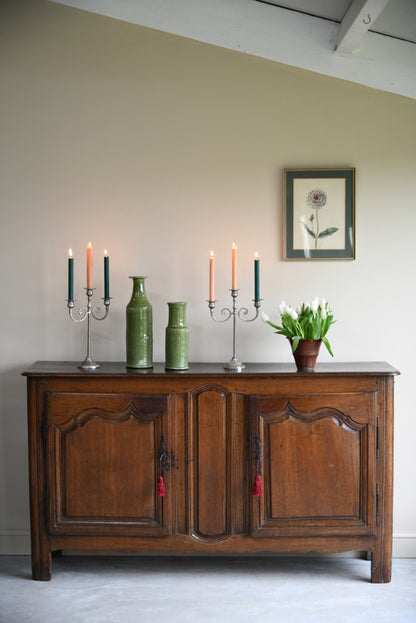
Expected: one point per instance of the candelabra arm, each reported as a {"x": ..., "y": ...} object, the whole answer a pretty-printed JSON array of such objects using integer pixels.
[
  {"x": 82, "y": 312},
  {"x": 96, "y": 311},
  {"x": 225, "y": 312},
  {"x": 244, "y": 311}
]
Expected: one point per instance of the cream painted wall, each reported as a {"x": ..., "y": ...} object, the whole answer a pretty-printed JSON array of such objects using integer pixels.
[{"x": 159, "y": 149}]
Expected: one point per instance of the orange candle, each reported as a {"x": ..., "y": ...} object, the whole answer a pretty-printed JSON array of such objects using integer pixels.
[
  {"x": 89, "y": 266},
  {"x": 234, "y": 267},
  {"x": 212, "y": 277}
]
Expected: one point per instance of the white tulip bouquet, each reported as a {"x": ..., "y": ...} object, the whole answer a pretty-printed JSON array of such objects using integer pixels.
[{"x": 309, "y": 321}]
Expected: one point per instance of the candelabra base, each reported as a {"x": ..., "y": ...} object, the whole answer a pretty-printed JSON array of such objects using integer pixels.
[
  {"x": 234, "y": 365},
  {"x": 88, "y": 364}
]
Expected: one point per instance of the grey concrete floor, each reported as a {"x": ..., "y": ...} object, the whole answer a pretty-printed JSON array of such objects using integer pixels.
[{"x": 121, "y": 589}]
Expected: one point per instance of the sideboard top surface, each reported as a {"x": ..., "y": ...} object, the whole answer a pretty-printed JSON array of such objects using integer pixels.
[{"x": 70, "y": 368}]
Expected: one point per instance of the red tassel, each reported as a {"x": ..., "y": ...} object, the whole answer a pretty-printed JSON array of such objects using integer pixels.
[
  {"x": 160, "y": 487},
  {"x": 257, "y": 487}
]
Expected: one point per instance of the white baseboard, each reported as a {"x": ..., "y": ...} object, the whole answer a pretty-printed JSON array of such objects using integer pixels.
[
  {"x": 14, "y": 542},
  {"x": 404, "y": 546},
  {"x": 17, "y": 543}
]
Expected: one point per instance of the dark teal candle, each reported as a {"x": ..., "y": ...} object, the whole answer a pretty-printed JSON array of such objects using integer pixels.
[
  {"x": 256, "y": 278},
  {"x": 106, "y": 276},
  {"x": 70, "y": 277}
]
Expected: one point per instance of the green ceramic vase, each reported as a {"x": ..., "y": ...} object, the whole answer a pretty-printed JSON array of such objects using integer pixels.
[
  {"x": 139, "y": 330},
  {"x": 177, "y": 338}
]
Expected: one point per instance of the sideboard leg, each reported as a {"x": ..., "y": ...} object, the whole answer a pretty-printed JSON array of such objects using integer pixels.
[
  {"x": 381, "y": 559},
  {"x": 42, "y": 567},
  {"x": 41, "y": 556},
  {"x": 41, "y": 553},
  {"x": 380, "y": 567}
]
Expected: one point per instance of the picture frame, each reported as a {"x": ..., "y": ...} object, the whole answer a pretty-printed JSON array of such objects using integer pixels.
[{"x": 319, "y": 214}]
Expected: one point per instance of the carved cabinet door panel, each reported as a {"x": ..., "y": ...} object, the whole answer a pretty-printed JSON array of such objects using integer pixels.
[
  {"x": 210, "y": 465},
  {"x": 316, "y": 457},
  {"x": 105, "y": 455}
]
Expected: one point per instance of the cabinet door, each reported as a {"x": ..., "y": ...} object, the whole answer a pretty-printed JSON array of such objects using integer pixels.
[
  {"x": 316, "y": 457},
  {"x": 105, "y": 455}
]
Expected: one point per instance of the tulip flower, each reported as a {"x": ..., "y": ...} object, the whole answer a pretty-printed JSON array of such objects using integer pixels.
[{"x": 308, "y": 322}]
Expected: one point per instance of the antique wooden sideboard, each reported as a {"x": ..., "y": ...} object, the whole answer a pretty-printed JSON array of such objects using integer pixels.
[{"x": 155, "y": 461}]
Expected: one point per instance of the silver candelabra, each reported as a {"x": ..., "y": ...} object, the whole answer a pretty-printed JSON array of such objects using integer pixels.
[
  {"x": 87, "y": 312},
  {"x": 234, "y": 364}
]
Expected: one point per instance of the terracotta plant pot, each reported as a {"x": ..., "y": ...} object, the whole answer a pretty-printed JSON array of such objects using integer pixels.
[{"x": 306, "y": 354}]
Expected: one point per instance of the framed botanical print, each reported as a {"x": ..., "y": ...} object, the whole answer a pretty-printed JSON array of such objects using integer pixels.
[{"x": 319, "y": 211}]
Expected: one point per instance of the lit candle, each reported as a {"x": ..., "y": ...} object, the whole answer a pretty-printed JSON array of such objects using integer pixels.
[
  {"x": 256, "y": 277},
  {"x": 70, "y": 276},
  {"x": 234, "y": 267},
  {"x": 212, "y": 277},
  {"x": 89, "y": 266},
  {"x": 106, "y": 275}
]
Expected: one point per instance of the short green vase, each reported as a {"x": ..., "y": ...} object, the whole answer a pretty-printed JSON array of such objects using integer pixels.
[
  {"x": 177, "y": 338},
  {"x": 139, "y": 328}
]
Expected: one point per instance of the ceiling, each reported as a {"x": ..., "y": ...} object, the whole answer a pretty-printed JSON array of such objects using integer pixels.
[
  {"x": 370, "y": 42},
  {"x": 396, "y": 19}
]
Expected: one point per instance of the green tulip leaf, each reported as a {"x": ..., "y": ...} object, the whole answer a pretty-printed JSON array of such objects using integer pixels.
[
  {"x": 325, "y": 341},
  {"x": 295, "y": 342}
]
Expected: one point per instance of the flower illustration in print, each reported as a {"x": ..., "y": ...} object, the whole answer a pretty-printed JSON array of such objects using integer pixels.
[{"x": 316, "y": 199}]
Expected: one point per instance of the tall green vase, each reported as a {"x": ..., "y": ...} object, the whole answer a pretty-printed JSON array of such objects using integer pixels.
[
  {"x": 177, "y": 338},
  {"x": 139, "y": 330}
]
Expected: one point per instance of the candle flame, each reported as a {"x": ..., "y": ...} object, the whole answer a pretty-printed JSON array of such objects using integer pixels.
[
  {"x": 211, "y": 253},
  {"x": 105, "y": 252},
  {"x": 69, "y": 252},
  {"x": 256, "y": 255},
  {"x": 89, "y": 244},
  {"x": 234, "y": 245}
]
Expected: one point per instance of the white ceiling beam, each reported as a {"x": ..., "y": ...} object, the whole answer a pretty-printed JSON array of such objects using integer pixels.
[
  {"x": 274, "y": 33},
  {"x": 356, "y": 22}
]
